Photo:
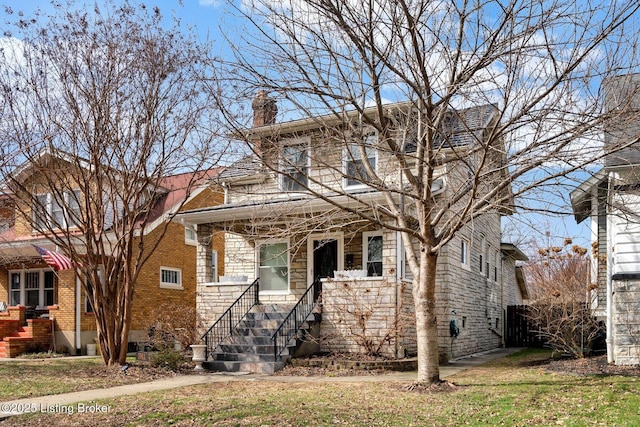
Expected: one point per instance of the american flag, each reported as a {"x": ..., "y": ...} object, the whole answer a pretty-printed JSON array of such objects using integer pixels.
[{"x": 55, "y": 260}]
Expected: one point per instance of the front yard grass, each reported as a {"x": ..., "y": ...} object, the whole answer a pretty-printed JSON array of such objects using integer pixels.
[
  {"x": 32, "y": 378},
  {"x": 513, "y": 391}
]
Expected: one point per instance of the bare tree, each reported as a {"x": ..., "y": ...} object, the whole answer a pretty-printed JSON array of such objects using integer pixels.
[
  {"x": 103, "y": 106},
  {"x": 538, "y": 65}
]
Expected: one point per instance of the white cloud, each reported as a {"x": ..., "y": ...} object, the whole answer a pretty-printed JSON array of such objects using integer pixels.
[{"x": 207, "y": 3}]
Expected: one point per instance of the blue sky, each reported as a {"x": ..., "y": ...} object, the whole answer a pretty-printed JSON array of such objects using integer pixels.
[
  {"x": 202, "y": 13},
  {"x": 208, "y": 16}
]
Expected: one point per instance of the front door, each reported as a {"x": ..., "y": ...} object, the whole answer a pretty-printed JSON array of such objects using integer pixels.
[{"x": 325, "y": 257}]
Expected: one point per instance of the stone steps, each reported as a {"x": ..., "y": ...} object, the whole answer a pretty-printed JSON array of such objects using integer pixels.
[{"x": 250, "y": 348}]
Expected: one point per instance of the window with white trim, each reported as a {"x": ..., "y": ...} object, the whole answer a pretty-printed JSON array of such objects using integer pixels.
[
  {"x": 273, "y": 266},
  {"x": 481, "y": 255},
  {"x": 294, "y": 167},
  {"x": 464, "y": 252},
  {"x": 190, "y": 235},
  {"x": 14, "y": 298},
  {"x": 354, "y": 163},
  {"x": 214, "y": 265},
  {"x": 372, "y": 253},
  {"x": 495, "y": 265},
  {"x": 49, "y": 212},
  {"x": 32, "y": 288},
  {"x": 170, "y": 278}
]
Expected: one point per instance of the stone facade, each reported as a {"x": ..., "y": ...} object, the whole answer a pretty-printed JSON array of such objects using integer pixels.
[{"x": 373, "y": 313}]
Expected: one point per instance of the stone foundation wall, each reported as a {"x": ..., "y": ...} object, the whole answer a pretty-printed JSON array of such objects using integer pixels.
[
  {"x": 359, "y": 316},
  {"x": 626, "y": 322}
]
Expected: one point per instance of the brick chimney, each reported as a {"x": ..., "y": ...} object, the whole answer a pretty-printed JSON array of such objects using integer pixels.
[{"x": 264, "y": 109}]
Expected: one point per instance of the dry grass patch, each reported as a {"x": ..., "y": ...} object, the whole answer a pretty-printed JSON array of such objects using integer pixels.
[
  {"x": 514, "y": 391},
  {"x": 54, "y": 376}
]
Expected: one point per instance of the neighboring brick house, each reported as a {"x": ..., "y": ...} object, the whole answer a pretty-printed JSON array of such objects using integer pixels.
[
  {"x": 610, "y": 199},
  {"x": 288, "y": 239},
  {"x": 32, "y": 289}
]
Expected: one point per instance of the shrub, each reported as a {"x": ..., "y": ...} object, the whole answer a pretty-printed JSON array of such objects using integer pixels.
[{"x": 168, "y": 359}]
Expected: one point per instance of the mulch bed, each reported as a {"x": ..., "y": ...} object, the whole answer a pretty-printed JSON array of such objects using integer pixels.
[
  {"x": 336, "y": 369},
  {"x": 590, "y": 366}
]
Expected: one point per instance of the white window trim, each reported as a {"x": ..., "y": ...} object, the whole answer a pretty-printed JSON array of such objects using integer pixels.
[
  {"x": 23, "y": 290},
  {"x": 48, "y": 220},
  {"x": 346, "y": 159},
  {"x": 257, "y": 263},
  {"x": 187, "y": 240},
  {"x": 290, "y": 142},
  {"x": 167, "y": 285},
  {"x": 465, "y": 254},
  {"x": 481, "y": 260},
  {"x": 214, "y": 265},
  {"x": 365, "y": 248}
]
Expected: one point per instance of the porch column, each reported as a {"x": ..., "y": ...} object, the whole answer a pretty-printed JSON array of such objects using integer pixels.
[{"x": 204, "y": 271}]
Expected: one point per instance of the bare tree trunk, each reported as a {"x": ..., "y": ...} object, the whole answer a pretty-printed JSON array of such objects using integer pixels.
[{"x": 424, "y": 295}]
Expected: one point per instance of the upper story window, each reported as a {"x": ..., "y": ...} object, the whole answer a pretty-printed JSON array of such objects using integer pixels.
[
  {"x": 190, "y": 235},
  {"x": 354, "y": 162},
  {"x": 294, "y": 166},
  {"x": 50, "y": 212},
  {"x": 481, "y": 259},
  {"x": 464, "y": 253}
]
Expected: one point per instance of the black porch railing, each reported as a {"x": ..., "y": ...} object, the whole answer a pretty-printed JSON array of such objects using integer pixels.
[
  {"x": 298, "y": 314},
  {"x": 224, "y": 326}
]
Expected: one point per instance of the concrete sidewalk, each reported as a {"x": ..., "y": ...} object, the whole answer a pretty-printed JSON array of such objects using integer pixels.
[{"x": 72, "y": 401}]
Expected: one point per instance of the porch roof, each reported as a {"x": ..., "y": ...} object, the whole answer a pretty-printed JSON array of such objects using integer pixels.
[
  {"x": 23, "y": 251},
  {"x": 276, "y": 207},
  {"x": 581, "y": 197}
]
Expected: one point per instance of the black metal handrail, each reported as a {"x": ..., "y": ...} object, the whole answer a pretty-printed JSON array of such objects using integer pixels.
[
  {"x": 296, "y": 317},
  {"x": 224, "y": 326}
]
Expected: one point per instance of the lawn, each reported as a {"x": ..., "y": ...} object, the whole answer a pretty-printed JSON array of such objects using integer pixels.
[
  {"x": 513, "y": 391},
  {"x": 34, "y": 378}
]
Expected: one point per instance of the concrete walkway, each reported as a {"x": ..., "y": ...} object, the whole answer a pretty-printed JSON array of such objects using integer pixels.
[{"x": 70, "y": 401}]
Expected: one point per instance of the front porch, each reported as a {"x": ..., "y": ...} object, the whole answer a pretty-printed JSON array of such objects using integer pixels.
[{"x": 358, "y": 263}]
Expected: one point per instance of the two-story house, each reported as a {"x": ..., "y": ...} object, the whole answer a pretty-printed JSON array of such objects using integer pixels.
[
  {"x": 291, "y": 226},
  {"x": 46, "y": 298},
  {"x": 610, "y": 200}
]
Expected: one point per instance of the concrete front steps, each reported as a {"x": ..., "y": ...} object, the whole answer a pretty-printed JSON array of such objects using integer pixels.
[{"x": 250, "y": 349}]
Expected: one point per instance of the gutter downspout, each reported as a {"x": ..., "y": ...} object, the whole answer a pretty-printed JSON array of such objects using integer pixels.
[
  {"x": 502, "y": 308},
  {"x": 78, "y": 313},
  {"x": 609, "y": 228}
]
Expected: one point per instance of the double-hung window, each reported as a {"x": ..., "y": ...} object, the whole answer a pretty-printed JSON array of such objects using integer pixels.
[
  {"x": 354, "y": 163},
  {"x": 464, "y": 253},
  {"x": 32, "y": 288},
  {"x": 273, "y": 265},
  {"x": 372, "y": 253},
  {"x": 51, "y": 210},
  {"x": 294, "y": 167},
  {"x": 14, "y": 298},
  {"x": 481, "y": 255}
]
